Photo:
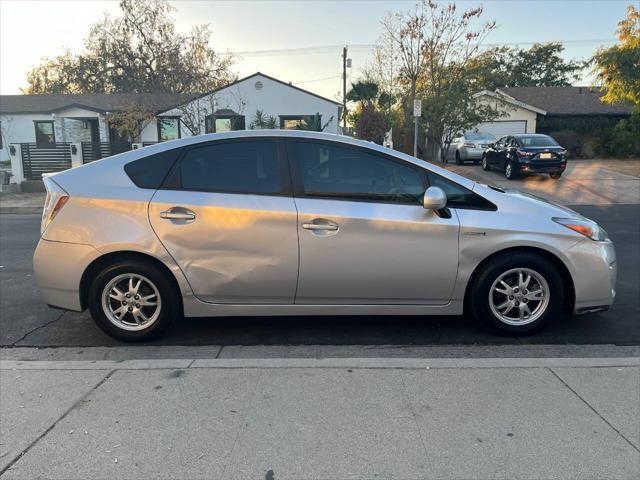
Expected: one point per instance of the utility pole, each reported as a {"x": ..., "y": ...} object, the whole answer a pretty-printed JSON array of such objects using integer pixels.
[{"x": 344, "y": 90}]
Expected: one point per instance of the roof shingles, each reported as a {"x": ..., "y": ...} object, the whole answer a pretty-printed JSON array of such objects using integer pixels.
[
  {"x": 101, "y": 102},
  {"x": 566, "y": 100}
]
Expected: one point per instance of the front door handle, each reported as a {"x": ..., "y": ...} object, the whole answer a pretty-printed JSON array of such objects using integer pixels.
[
  {"x": 178, "y": 213},
  {"x": 318, "y": 225}
]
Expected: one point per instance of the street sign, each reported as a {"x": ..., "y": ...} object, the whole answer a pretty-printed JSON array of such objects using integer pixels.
[{"x": 417, "y": 107}]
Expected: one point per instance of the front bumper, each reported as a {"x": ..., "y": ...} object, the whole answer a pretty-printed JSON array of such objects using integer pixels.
[
  {"x": 594, "y": 270},
  {"x": 58, "y": 269}
]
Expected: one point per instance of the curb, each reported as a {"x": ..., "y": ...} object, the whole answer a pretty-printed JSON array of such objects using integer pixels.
[
  {"x": 324, "y": 363},
  {"x": 20, "y": 210}
]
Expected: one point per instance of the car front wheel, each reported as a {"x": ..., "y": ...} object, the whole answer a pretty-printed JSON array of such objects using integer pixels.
[
  {"x": 509, "y": 171},
  {"x": 517, "y": 294},
  {"x": 133, "y": 301}
]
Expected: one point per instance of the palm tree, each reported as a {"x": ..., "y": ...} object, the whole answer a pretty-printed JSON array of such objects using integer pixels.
[{"x": 364, "y": 91}]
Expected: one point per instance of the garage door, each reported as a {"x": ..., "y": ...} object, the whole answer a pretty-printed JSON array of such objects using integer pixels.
[{"x": 500, "y": 129}]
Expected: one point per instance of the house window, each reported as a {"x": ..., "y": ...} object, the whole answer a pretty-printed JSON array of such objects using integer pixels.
[
  {"x": 291, "y": 122},
  {"x": 168, "y": 129},
  {"x": 223, "y": 123},
  {"x": 45, "y": 133}
]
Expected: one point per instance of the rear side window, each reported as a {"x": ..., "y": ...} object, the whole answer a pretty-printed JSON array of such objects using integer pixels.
[
  {"x": 237, "y": 167},
  {"x": 459, "y": 196},
  {"x": 149, "y": 172}
]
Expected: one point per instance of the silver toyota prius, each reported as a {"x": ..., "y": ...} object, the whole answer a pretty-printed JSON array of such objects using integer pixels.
[{"x": 299, "y": 223}]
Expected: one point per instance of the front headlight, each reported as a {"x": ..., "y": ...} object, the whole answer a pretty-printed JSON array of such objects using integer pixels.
[{"x": 584, "y": 227}]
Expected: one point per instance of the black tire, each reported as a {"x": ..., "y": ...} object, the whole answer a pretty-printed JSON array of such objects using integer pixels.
[
  {"x": 509, "y": 171},
  {"x": 476, "y": 162},
  {"x": 170, "y": 305},
  {"x": 485, "y": 163},
  {"x": 478, "y": 300},
  {"x": 458, "y": 159},
  {"x": 555, "y": 176}
]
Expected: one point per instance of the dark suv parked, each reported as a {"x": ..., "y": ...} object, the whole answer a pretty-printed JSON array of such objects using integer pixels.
[{"x": 522, "y": 154}]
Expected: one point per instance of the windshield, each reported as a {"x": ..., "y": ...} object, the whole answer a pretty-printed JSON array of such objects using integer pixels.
[
  {"x": 480, "y": 136},
  {"x": 537, "y": 141}
]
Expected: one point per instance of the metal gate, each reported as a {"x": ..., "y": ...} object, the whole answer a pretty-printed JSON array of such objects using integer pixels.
[{"x": 44, "y": 158}]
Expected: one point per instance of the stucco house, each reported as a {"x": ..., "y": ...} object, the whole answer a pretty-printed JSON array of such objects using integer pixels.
[{"x": 52, "y": 132}]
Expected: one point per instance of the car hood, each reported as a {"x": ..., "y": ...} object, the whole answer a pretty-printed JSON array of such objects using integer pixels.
[{"x": 526, "y": 201}]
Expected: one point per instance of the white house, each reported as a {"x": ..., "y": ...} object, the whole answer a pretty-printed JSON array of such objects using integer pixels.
[
  {"x": 52, "y": 132},
  {"x": 235, "y": 106},
  {"x": 517, "y": 117}
]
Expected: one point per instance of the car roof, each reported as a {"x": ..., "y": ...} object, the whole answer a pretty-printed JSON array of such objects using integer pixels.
[{"x": 118, "y": 161}]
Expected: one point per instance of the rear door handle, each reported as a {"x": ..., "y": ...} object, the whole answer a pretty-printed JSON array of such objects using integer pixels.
[
  {"x": 327, "y": 226},
  {"x": 178, "y": 213}
]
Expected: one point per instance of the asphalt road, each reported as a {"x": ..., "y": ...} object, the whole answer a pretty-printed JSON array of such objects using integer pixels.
[{"x": 26, "y": 321}]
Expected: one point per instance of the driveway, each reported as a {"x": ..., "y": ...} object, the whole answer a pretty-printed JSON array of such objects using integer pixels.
[{"x": 585, "y": 182}]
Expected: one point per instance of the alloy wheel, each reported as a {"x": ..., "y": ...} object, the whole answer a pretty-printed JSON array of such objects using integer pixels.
[
  {"x": 519, "y": 296},
  {"x": 131, "y": 302},
  {"x": 508, "y": 172}
]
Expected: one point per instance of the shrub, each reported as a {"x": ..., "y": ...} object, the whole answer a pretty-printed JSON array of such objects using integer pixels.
[{"x": 371, "y": 126}]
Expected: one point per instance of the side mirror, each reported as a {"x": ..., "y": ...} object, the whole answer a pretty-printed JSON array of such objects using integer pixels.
[{"x": 434, "y": 199}]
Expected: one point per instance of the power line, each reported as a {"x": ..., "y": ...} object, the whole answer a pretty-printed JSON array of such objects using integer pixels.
[
  {"x": 318, "y": 79},
  {"x": 326, "y": 49}
]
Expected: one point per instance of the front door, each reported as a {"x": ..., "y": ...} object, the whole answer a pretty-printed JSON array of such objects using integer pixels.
[
  {"x": 364, "y": 236},
  {"x": 226, "y": 215}
]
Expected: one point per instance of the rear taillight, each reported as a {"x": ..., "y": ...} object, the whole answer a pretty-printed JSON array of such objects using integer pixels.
[
  {"x": 470, "y": 145},
  {"x": 56, "y": 199}
]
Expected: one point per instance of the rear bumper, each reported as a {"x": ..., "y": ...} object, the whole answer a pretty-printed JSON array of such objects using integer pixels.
[
  {"x": 594, "y": 270},
  {"x": 471, "y": 153},
  {"x": 542, "y": 167},
  {"x": 58, "y": 270}
]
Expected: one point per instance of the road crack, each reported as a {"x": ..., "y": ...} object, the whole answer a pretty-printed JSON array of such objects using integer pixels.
[{"x": 39, "y": 327}]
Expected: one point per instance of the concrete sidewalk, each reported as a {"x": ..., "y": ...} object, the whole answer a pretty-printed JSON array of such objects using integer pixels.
[{"x": 326, "y": 418}]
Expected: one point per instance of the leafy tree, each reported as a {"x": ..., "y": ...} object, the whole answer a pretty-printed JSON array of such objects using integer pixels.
[
  {"x": 371, "y": 125},
  {"x": 262, "y": 120},
  {"x": 450, "y": 44},
  {"x": 540, "y": 66},
  {"x": 131, "y": 121},
  {"x": 618, "y": 67},
  {"x": 138, "y": 51}
]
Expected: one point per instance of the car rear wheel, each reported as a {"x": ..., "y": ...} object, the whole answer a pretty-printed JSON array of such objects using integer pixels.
[
  {"x": 555, "y": 176},
  {"x": 485, "y": 163},
  {"x": 458, "y": 159},
  {"x": 517, "y": 294},
  {"x": 133, "y": 301}
]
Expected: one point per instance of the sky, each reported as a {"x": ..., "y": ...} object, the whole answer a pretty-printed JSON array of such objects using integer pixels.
[{"x": 32, "y": 30}]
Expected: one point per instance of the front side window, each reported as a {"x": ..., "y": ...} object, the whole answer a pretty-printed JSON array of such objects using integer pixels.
[
  {"x": 235, "y": 167},
  {"x": 45, "y": 133},
  {"x": 326, "y": 170},
  {"x": 168, "y": 129}
]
